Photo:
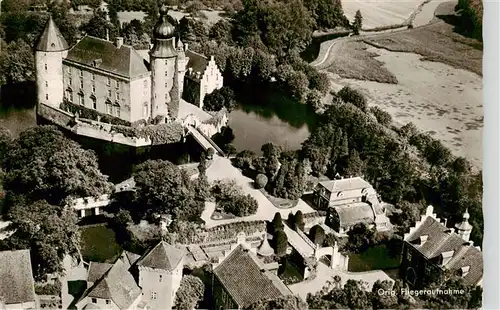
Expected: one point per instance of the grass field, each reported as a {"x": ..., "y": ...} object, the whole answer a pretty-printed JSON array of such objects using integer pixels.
[
  {"x": 376, "y": 258},
  {"x": 99, "y": 244}
]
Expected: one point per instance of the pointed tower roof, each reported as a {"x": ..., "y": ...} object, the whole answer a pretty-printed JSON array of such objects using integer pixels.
[
  {"x": 162, "y": 256},
  {"x": 265, "y": 249},
  {"x": 51, "y": 40}
]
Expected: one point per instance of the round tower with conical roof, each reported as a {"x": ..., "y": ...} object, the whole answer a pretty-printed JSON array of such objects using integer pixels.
[
  {"x": 163, "y": 57},
  {"x": 50, "y": 51},
  {"x": 464, "y": 228}
]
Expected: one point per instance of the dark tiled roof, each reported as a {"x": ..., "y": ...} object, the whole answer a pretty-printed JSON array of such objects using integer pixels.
[
  {"x": 244, "y": 281},
  {"x": 118, "y": 285},
  {"x": 16, "y": 277},
  {"x": 345, "y": 184},
  {"x": 351, "y": 214},
  {"x": 131, "y": 258},
  {"x": 162, "y": 256},
  {"x": 124, "y": 61},
  {"x": 440, "y": 240},
  {"x": 97, "y": 270},
  {"x": 196, "y": 61},
  {"x": 51, "y": 40}
]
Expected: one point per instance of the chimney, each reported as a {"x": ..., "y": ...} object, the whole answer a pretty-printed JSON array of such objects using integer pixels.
[
  {"x": 185, "y": 46},
  {"x": 119, "y": 42},
  {"x": 212, "y": 58}
]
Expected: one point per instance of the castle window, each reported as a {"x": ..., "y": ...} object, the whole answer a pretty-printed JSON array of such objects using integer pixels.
[
  {"x": 70, "y": 81},
  {"x": 108, "y": 82},
  {"x": 94, "y": 300},
  {"x": 46, "y": 96},
  {"x": 153, "y": 295},
  {"x": 109, "y": 92},
  {"x": 117, "y": 109},
  {"x": 145, "y": 110},
  {"x": 408, "y": 256},
  {"x": 81, "y": 73},
  {"x": 93, "y": 88},
  {"x": 53, "y": 45},
  {"x": 81, "y": 99},
  {"x": 68, "y": 69},
  {"x": 166, "y": 73},
  {"x": 109, "y": 107},
  {"x": 108, "y": 302},
  {"x": 161, "y": 277},
  {"x": 93, "y": 77},
  {"x": 94, "y": 102},
  {"x": 117, "y": 96},
  {"x": 69, "y": 95},
  {"x": 117, "y": 84},
  {"x": 81, "y": 83},
  {"x": 46, "y": 84},
  {"x": 45, "y": 67}
]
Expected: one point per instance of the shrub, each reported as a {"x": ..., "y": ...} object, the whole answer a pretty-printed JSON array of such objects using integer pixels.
[
  {"x": 317, "y": 234},
  {"x": 48, "y": 288},
  {"x": 244, "y": 159},
  {"x": 260, "y": 181},
  {"x": 382, "y": 116},
  {"x": 277, "y": 222},
  {"x": 240, "y": 205},
  {"x": 210, "y": 153},
  {"x": 353, "y": 96},
  {"x": 281, "y": 242},
  {"x": 91, "y": 114},
  {"x": 298, "y": 220}
]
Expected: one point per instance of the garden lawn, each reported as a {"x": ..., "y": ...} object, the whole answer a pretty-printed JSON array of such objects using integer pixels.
[
  {"x": 376, "y": 258},
  {"x": 99, "y": 244}
]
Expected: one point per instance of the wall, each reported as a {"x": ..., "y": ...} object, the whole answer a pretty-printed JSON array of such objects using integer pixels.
[
  {"x": 210, "y": 81},
  {"x": 53, "y": 114},
  {"x": 49, "y": 81},
  {"x": 100, "y": 302},
  {"x": 140, "y": 98},
  {"x": 162, "y": 77},
  {"x": 165, "y": 288},
  {"x": 25, "y": 305},
  {"x": 120, "y": 94}
]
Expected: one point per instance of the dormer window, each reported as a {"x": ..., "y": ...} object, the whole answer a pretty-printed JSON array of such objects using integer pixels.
[
  {"x": 446, "y": 257},
  {"x": 53, "y": 45},
  {"x": 464, "y": 271},
  {"x": 423, "y": 239},
  {"x": 97, "y": 62}
]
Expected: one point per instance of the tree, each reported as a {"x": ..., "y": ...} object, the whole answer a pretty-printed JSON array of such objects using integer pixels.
[
  {"x": 277, "y": 222},
  {"x": 327, "y": 14},
  {"x": 260, "y": 181},
  {"x": 382, "y": 116},
  {"x": 281, "y": 242},
  {"x": 224, "y": 137},
  {"x": 299, "y": 220},
  {"x": 271, "y": 154},
  {"x": 192, "y": 30},
  {"x": 162, "y": 187},
  {"x": 354, "y": 96},
  {"x": 189, "y": 293},
  {"x": 230, "y": 197},
  {"x": 210, "y": 153},
  {"x": 17, "y": 63},
  {"x": 314, "y": 99},
  {"x": 360, "y": 238},
  {"x": 50, "y": 232},
  {"x": 230, "y": 149},
  {"x": 358, "y": 22},
  {"x": 98, "y": 26},
  {"x": 221, "y": 32},
  {"x": 383, "y": 301},
  {"x": 290, "y": 302},
  {"x": 44, "y": 165},
  {"x": 244, "y": 159},
  {"x": 317, "y": 235},
  {"x": 352, "y": 165}
]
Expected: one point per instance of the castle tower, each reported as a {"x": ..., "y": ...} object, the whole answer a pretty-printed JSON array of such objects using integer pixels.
[
  {"x": 51, "y": 49},
  {"x": 163, "y": 57},
  {"x": 182, "y": 62},
  {"x": 464, "y": 229}
]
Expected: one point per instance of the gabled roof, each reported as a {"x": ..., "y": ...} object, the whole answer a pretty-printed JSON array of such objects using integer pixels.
[
  {"x": 51, "y": 40},
  {"x": 440, "y": 240},
  {"x": 345, "y": 184},
  {"x": 102, "y": 54},
  {"x": 129, "y": 257},
  {"x": 97, "y": 270},
  {"x": 244, "y": 281},
  {"x": 118, "y": 285},
  {"x": 162, "y": 256},
  {"x": 16, "y": 277}
]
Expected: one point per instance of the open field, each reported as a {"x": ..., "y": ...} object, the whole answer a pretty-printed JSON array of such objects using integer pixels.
[{"x": 379, "y": 13}]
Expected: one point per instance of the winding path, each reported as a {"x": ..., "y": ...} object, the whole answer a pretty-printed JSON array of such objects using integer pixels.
[{"x": 421, "y": 18}]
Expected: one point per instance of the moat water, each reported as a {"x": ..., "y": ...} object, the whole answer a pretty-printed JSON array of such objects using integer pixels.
[{"x": 268, "y": 119}]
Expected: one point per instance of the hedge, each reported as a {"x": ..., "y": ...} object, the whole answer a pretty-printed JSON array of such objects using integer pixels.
[
  {"x": 159, "y": 134},
  {"x": 92, "y": 114}
]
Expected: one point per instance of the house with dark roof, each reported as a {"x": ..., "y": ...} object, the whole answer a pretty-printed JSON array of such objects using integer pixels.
[
  {"x": 17, "y": 286},
  {"x": 135, "y": 282},
  {"x": 350, "y": 201},
  {"x": 241, "y": 279},
  {"x": 112, "y": 79},
  {"x": 432, "y": 252}
]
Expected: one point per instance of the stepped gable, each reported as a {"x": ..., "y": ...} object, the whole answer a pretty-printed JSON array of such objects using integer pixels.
[
  {"x": 162, "y": 256},
  {"x": 51, "y": 40},
  {"x": 104, "y": 55}
]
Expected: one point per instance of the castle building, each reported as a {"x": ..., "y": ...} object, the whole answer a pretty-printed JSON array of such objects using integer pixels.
[
  {"x": 433, "y": 252},
  {"x": 135, "y": 282},
  {"x": 113, "y": 79}
]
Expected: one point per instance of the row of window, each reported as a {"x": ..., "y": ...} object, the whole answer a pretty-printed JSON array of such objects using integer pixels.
[
  {"x": 70, "y": 83},
  {"x": 111, "y": 108},
  {"x": 94, "y": 301},
  {"x": 109, "y": 81}
]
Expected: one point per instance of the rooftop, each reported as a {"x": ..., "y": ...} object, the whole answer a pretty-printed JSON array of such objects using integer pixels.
[
  {"x": 345, "y": 184},
  {"x": 439, "y": 240},
  {"x": 51, "y": 40},
  {"x": 197, "y": 62},
  {"x": 355, "y": 213},
  {"x": 245, "y": 282},
  {"x": 16, "y": 277},
  {"x": 162, "y": 256},
  {"x": 104, "y": 55}
]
